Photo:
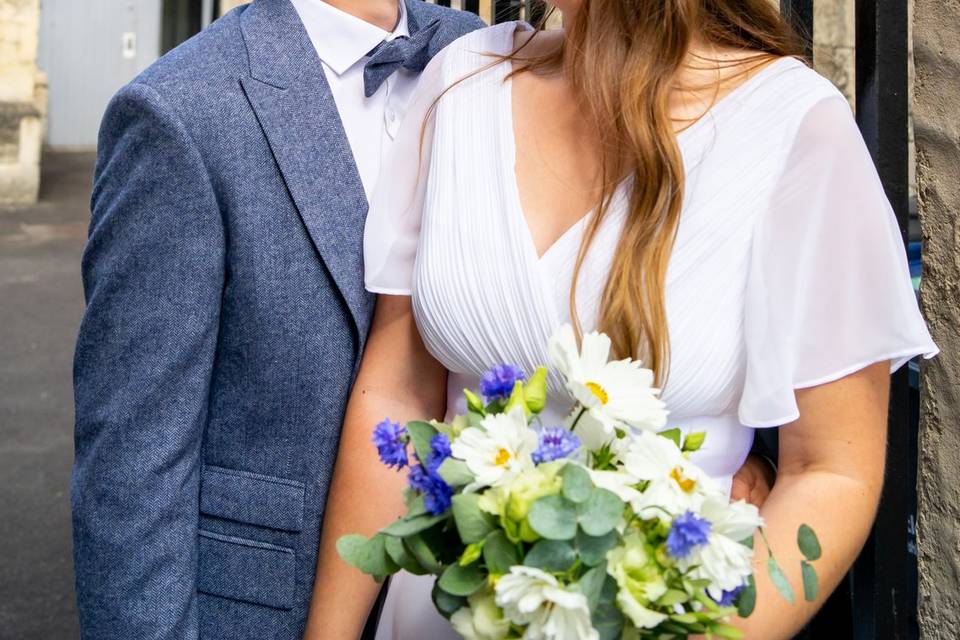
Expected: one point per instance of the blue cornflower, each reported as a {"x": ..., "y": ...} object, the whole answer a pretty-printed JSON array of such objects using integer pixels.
[
  {"x": 498, "y": 382},
  {"x": 555, "y": 443},
  {"x": 391, "y": 442},
  {"x": 688, "y": 531},
  {"x": 439, "y": 451},
  {"x": 437, "y": 494},
  {"x": 729, "y": 598}
]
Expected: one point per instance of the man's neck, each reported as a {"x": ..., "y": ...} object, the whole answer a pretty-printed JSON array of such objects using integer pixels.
[{"x": 381, "y": 13}]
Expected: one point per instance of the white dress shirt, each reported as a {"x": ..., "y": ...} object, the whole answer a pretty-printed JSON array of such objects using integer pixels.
[{"x": 342, "y": 41}]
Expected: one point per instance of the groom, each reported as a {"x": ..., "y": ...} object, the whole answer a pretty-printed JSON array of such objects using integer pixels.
[{"x": 226, "y": 311}]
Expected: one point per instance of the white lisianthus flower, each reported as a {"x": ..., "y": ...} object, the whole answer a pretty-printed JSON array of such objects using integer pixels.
[
  {"x": 724, "y": 561},
  {"x": 498, "y": 449},
  {"x": 482, "y": 620},
  {"x": 618, "y": 394},
  {"x": 535, "y": 599},
  {"x": 675, "y": 484}
]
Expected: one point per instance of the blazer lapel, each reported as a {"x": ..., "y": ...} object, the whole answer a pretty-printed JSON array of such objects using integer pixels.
[{"x": 288, "y": 91}]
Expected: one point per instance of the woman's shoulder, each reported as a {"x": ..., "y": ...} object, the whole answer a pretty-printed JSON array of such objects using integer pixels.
[{"x": 472, "y": 51}]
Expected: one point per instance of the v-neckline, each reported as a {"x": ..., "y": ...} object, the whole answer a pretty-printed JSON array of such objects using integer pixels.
[{"x": 510, "y": 161}]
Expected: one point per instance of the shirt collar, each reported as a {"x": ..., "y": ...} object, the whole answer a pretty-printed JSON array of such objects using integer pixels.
[{"x": 341, "y": 39}]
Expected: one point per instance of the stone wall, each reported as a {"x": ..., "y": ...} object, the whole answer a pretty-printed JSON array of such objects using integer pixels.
[
  {"x": 22, "y": 102},
  {"x": 937, "y": 96},
  {"x": 834, "y": 40}
]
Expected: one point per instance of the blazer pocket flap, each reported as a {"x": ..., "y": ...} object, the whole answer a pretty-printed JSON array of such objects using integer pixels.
[
  {"x": 251, "y": 498},
  {"x": 245, "y": 570}
]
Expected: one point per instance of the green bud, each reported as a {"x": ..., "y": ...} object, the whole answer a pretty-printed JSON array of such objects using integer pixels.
[
  {"x": 535, "y": 390},
  {"x": 694, "y": 441},
  {"x": 471, "y": 553},
  {"x": 516, "y": 399},
  {"x": 474, "y": 403}
]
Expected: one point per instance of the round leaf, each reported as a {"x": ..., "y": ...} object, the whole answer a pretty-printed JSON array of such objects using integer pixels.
[
  {"x": 811, "y": 584},
  {"x": 601, "y": 513},
  {"x": 554, "y": 518},
  {"x": 455, "y": 472},
  {"x": 593, "y": 549},
  {"x": 403, "y": 558},
  {"x": 473, "y": 524},
  {"x": 576, "y": 483},
  {"x": 420, "y": 435},
  {"x": 461, "y": 581},
  {"x": 446, "y": 603},
  {"x": 808, "y": 543},
  {"x": 499, "y": 554},
  {"x": 373, "y": 557},
  {"x": 350, "y": 548},
  {"x": 553, "y": 556},
  {"x": 424, "y": 555},
  {"x": 408, "y": 526}
]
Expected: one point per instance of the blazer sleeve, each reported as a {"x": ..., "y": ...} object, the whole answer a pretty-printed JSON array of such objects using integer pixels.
[{"x": 153, "y": 275}]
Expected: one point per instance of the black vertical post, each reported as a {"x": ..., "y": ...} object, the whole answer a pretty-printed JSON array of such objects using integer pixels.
[
  {"x": 799, "y": 13},
  {"x": 473, "y": 6},
  {"x": 536, "y": 11},
  {"x": 506, "y": 10},
  {"x": 883, "y": 603}
]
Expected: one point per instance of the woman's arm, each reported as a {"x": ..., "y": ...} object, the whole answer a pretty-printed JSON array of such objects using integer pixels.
[
  {"x": 830, "y": 477},
  {"x": 400, "y": 379}
]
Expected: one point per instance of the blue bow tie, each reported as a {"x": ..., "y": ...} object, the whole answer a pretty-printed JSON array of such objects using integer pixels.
[{"x": 411, "y": 53}]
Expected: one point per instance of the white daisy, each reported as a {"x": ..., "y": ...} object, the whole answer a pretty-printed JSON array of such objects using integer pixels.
[
  {"x": 535, "y": 599},
  {"x": 498, "y": 449},
  {"x": 616, "y": 394},
  {"x": 675, "y": 484}
]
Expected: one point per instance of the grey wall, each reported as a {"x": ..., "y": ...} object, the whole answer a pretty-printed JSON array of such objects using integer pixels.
[
  {"x": 937, "y": 124},
  {"x": 82, "y": 51}
]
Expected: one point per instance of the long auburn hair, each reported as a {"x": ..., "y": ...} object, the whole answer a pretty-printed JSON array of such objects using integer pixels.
[{"x": 623, "y": 58}]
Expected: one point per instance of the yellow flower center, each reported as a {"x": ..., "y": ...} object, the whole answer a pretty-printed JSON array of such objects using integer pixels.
[
  {"x": 598, "y": 391},
  {"x": 686, "y": 484},
  {"x": 503, "y": 456}
]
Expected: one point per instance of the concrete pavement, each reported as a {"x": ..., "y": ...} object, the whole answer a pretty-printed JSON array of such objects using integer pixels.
[{"x": 41, "y": 302}]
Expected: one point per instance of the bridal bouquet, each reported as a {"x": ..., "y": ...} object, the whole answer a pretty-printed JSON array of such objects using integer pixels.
[{"x": 597, "y": 528}]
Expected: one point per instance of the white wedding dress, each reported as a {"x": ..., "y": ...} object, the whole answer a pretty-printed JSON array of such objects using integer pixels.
[{"x": 788, "y": 270}]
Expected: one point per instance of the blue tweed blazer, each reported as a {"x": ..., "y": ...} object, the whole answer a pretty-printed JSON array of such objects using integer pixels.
[{"x": 225, "y": 319}]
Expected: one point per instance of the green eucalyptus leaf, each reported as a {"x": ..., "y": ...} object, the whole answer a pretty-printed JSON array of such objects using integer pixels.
[
  {"x": 455, "y": 472},
  {"x": 553, "y": 517},
  {"x": 672, "y": 434},
  {"x": 374, "y": 559},
  {"x": 408, "y": 526},
  {"x": 473, "y": 524},
  {"x": 351, "y": 548},
  {"x": 780, "y": 581},
  {"x": 499, "y": 554},
  {"x": 446, "y": 603},
  {"x": 591, "y": 584},
  {"x": 808, "y": 543},
  {"x": 811, "y": 584},
  {"x": 608, "y": 621},
  {"x": 420, "y": 435},
  {"x": 601, "y": 512},
  {"x": 747, "y": 599},
  {"x": 593, "y": 549},
  {"x": 403, "y": 558},
  {"x": 553, "y": 556},
  {"x": 577, "y": 484},
  {"x": 423, "y": 554},
  {"x": 461, "y": 581}
]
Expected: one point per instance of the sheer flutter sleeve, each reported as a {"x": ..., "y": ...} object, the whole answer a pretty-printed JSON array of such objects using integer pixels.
[
  {"x": 829, "y": 291},
  {"x": 392, "y": 229}
]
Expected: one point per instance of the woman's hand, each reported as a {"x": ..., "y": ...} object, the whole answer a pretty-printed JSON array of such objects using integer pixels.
[
  {"x": 400, "y": 379},
  {"x": 830, "y": 476},
  {"x": 753, "y": 481}
]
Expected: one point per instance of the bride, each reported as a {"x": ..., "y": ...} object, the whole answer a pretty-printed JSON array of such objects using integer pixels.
[{"x": 737, "y": 240}]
